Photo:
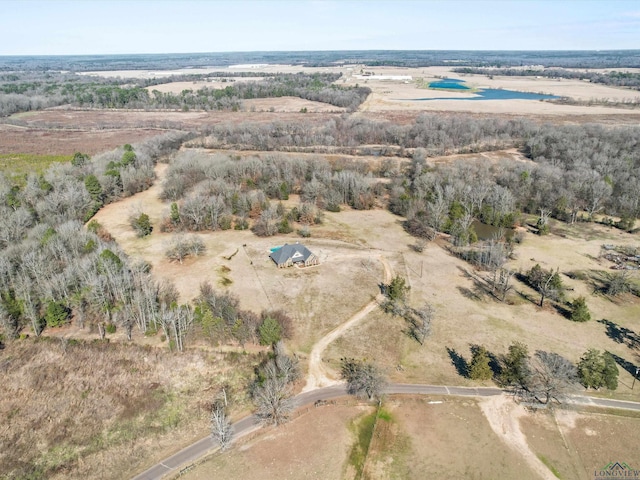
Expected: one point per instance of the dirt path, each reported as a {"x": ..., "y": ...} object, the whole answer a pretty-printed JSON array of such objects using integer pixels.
[
  {"x": 317, "y": 376},
  {"x": 503, "y": 415}
]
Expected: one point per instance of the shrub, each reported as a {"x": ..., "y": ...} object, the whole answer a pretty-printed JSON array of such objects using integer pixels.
[
  {"x": 580, "y": 311},
  {"x": 141, "y": 224},
  {"x": 56, "y": 314}
]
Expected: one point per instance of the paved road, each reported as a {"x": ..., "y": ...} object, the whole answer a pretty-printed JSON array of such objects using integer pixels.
[{"x": 247, "y": 425}]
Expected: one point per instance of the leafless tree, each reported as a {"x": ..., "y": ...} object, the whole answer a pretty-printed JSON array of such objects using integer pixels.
[
  {"x": 221, "y": 428},
  {"x": 273, "y": 396},
  {"x": 548, "y": 377},
  {"x": 364, "y": 379}
]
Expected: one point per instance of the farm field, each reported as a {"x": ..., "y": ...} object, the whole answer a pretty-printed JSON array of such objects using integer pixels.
[{"x": 418, "y": 437}]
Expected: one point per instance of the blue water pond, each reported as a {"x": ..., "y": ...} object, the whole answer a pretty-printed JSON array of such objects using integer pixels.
[
  {"x": 449, "y": 84},
  {"x": 483, "y": 94}
]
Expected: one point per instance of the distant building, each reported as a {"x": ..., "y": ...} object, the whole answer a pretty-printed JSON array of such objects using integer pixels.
[{"x": 289, "y": 255}]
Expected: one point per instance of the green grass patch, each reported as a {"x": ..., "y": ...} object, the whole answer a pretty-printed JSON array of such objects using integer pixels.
[
  {"x": 363, "y": 429},
  {"x": 18, "y": 164},
  {"x": 553, "y": 469}
]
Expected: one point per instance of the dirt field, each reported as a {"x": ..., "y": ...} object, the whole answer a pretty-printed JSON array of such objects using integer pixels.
[
  {"x": 314, "y": 445},
  {"x": 216, "y": 83},
  {"x": 67, "y": 142},
  {"x": 576, "y": 444},
  {"x": 416, "y": 437}
]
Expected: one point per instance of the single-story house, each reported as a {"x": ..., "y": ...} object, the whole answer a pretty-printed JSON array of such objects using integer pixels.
[{"x": 296, "y": 253}]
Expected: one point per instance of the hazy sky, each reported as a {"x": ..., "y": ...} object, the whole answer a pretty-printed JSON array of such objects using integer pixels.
[{"x": 49, "y": 27}]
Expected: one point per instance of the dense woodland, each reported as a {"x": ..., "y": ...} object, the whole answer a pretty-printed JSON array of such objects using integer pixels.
[
  {"x": 51, "y": 268},
  {"x": 21, "y": 92},
  {"x": 405, "y": 58}
]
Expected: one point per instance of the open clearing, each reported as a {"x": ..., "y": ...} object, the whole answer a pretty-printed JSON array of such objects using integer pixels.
[
  {"x": 314, "y": 445},
  {"x": 349, "y": 243},
  {"x": 433, "y": 437}
]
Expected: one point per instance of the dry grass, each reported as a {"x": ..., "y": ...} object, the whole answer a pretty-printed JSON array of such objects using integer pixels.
[
  {"x": 577, "y": 444},
  {"x": 314, "y": 445},
  {"x": 71, "y": 411},
  {"x": 46, "y": 141}
]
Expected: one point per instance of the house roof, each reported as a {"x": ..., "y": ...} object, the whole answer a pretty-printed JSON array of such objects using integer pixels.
[{"x": 296, "y": 252}]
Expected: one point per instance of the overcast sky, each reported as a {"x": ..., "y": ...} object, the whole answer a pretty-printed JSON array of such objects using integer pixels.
[{"x": 53, "y": 27}]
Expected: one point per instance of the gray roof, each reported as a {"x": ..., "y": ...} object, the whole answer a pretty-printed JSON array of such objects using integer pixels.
[{"x": 296, "y": 252}]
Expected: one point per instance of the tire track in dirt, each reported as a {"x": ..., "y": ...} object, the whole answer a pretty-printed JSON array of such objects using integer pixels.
[
  {"x": 318, "y": 376},
  {"x": 503, "y": 416}
]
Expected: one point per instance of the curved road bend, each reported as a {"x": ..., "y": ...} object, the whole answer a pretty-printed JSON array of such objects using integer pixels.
[{"x": 248, "y": 424}]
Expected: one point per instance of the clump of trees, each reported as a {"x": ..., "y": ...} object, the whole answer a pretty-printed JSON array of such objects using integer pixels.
[
  {"x": 364, "y": 379},
  {"x": 220, "y": 319},
  {"x": 547, "y": 282},
  {"x": 598, "y": 369},
  {"x": 272, "y": 390},
  {"x": 141, "y": 224},
  {"x": 182, "y": 246},
  {"x": 418, "y": 320},
  {"x": 220, "y": 192}
]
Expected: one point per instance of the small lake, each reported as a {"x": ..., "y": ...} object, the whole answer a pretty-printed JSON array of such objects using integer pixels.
[
  {"x": 488, "y": 232},
  {"x": 482, "y": 94},
  {"x": 449, "y": 84}
]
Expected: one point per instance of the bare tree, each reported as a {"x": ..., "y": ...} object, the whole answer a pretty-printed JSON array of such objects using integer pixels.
[
  {"x": 273, "y": 396},
  {"x": 221, "y": 428},
  {"x": 364, "y": 380},
  {"x": 548, "y": 376},
  {"x": 502, "y": 282}
]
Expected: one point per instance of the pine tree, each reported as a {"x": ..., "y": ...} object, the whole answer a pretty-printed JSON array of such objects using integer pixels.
[
  {"x": 479, "y": 368},
  {"x": 591, "y": 368},
  {"x": 514, "y": 364},
  {"x": 580, "y": 311}
]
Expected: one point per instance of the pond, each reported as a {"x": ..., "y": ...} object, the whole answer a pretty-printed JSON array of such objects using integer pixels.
[
  {"x": 449, "y": 84},
  {"x": 487, "y": 232},
  {"x": 482, "y": 94}
]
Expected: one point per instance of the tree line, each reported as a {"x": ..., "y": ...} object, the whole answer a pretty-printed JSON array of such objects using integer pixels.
[
  {"x": 29, "y": 91},
  {"x": 52, "y": 268},
  {"x": 573, "y": 168},
  {"x": 218, "y": 192}
]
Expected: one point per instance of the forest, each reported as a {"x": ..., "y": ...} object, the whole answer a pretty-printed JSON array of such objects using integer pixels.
[
  {"x": 27, "y": 91},
  {"x": 52, "y": 269}
]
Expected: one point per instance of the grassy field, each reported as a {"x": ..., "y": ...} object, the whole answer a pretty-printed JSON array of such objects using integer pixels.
[
  {"x": 16, "y": 164},
  {"x": 69, "y": 409}
]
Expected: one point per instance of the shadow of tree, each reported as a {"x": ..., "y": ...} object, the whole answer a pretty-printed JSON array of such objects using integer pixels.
[
  {"x": 462, "y": 367},
  {"x": 563, "y": 310},
  {"x": 481, "y": 287},
  {"x": 621, "y": 334},
  {"x": 468, "y": 293},
  {"x": 628, "y": 366}
]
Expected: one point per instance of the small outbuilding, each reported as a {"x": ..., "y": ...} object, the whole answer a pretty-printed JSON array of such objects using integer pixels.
[{"x": 294, "y": 254}]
